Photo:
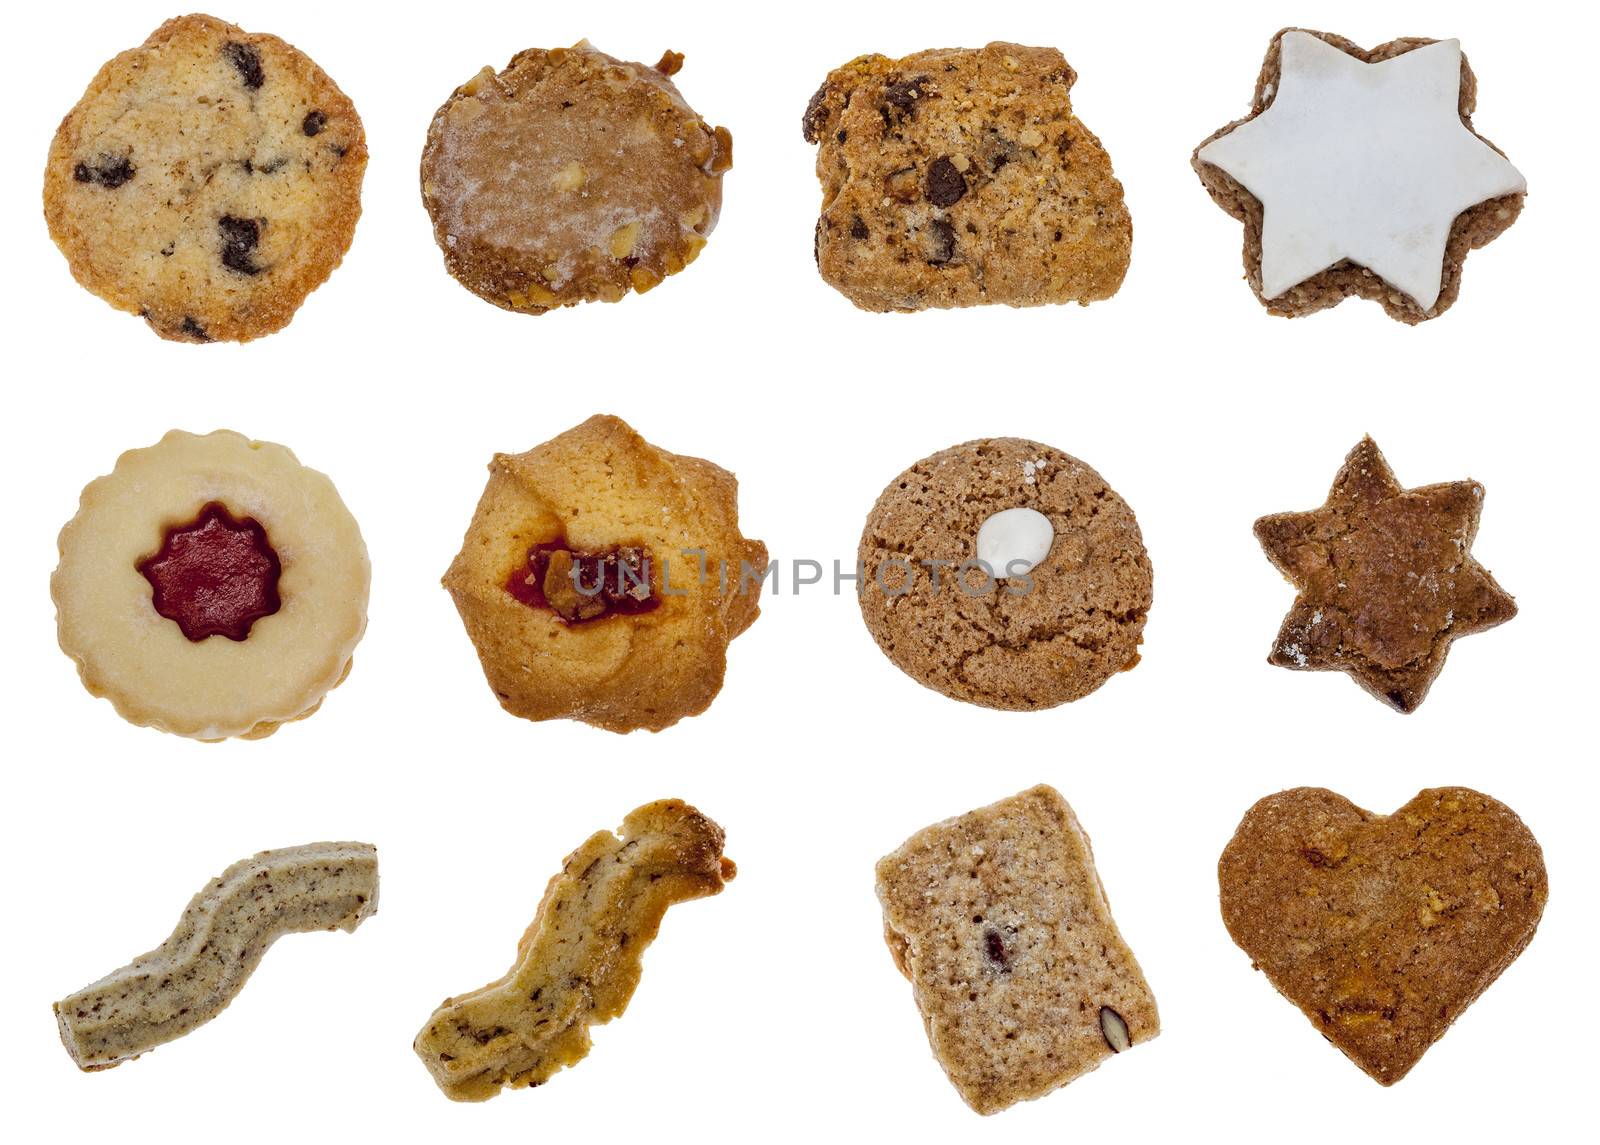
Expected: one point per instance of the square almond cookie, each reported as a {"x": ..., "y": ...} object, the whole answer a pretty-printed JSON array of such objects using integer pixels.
[{"x": 999, "y": 920}]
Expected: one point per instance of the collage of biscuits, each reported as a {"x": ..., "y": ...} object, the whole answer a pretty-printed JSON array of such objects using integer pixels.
[{"x": 214, "y": 587}]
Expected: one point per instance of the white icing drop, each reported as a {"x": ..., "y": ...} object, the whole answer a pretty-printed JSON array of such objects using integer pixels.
[
  {"x": 1013, "y": 541},
  {"x": 1359, "y": 161}
]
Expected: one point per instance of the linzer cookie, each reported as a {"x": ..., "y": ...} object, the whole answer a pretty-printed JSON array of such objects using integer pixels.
[
  {"x": 580, "y": 960},
  {"x": 1382, "y": 928},
  {"x": 1385, "y": 579},
  {"x": 956, "y": 177},
  {"x": 207, "y": 181},
  {"x": 218, "y": 943},
  {"x": 1358, "y": 173},
  {"x": 1005, "y": 573},
  {"x": 211, "y": 586},
  {"x": 571, "y": 177},
  {"x": 602, "y": 579},
  {"x": 999, "y": 920}
]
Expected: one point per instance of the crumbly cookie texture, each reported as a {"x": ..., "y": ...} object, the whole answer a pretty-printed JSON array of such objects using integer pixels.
[
  {"x": 580, "y": 960},
  {"x": 998, "y": 642},
  {"x": 1385, "y": 579},
  {"x": 999, "y": 920},
  {"x": 957, "y": 177},
  {"x": 1463, "y": 227},
  {"x": 571, "y": 177},
  {"x": 602, "y": 506},
  {"x": 218, "y": 943},
  {"x": 1382, "y": 928},
  {"x": 207, "y": 181},
  {"x": 204, "y": 685}
]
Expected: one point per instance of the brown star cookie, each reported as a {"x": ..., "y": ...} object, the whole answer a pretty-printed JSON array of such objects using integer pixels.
[
  {"x": 1382, "y": 928},
  {"x": 1386, "y": 579}
]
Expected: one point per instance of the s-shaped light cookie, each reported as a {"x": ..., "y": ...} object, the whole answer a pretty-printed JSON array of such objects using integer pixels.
[
  {"x": 579, "y": 961},
  {"x": 192, "y": 976}
]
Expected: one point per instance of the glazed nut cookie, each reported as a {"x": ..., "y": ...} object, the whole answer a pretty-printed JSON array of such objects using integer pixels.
[
  {"x": 571, "y": 177},
  {"x": 207, "y": 181},
  {"x": 602, "y": 579},
  {"x": 999, "y": 920},
  {"x": 1359, "y": 174},
  {"x": 211, "y": 586},
  {"x": 1005, "y": 573},
  {"x": 957, "y": 177},
  {"x": 1382, "y": 929}
]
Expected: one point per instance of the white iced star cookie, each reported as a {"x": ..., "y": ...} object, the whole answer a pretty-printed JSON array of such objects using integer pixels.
[{"x": 1358, "y": 173}]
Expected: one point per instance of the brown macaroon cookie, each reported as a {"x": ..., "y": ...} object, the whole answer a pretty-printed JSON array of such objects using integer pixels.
[
  {"x": 1382, "y": 928},
  {"x": 207, "y": 181},
  {"x": 571, "y": 177},
  {"x": 959, "y": 176},
  {"x": 999, "y": 920},
  {"x": 1050, "y": 635}
]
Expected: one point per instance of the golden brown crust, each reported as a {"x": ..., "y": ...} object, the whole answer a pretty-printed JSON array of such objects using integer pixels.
[
  {"x": 571, "y": 177},
  {"x": 1382, "y": 928},
  {"x": 598, "y": 486},
  {"x": 1475, "y": 227},
  {"x": 956, "y": 177},
  {"x": 212, "y": 216},
  {"x": 580, "y": 960},
  {"x": 1385, "y": 579}
]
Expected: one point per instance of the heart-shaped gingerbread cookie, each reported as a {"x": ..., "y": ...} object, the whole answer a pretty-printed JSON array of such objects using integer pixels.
[{"x": 1382, "y": 928}]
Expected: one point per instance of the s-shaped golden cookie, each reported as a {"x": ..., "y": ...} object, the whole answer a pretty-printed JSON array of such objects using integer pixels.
[{"x": 579, "y": 961}]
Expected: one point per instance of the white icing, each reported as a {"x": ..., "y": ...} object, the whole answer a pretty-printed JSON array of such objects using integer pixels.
[
  {"x": 1012, "y": 541},
  {"x": 1359, "y": 161}
]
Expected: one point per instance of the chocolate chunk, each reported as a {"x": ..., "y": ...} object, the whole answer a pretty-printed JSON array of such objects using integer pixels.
[
  {"x": 944, "y": 242},
  {"x": 858, "y": 229},
  {"x": 945, "y": 184},
  {"x": 246, "y": 61},
  {"x": 193, "y": 329},
  {"x": 902, "y": 95},
  {"x": 109, "y": 171},
  {"x": 994, "y": 947},
  {"x": 239, "y": 240},
  {"x": 816, "y": 116},
  {"x": 313, "y": 123}
]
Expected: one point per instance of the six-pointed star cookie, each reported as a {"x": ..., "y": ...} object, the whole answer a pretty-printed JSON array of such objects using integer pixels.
[
  {"x": 1386, "y": 579},
  {"x": 1359, "y": 173}
]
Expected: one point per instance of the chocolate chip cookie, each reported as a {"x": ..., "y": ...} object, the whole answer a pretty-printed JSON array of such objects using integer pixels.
[
  {"x": 207, "y": 181},
  {"x": 1005, "y": 573},
  {"x": 957, "y": 177},
  {"x": 571, "y": 177}
]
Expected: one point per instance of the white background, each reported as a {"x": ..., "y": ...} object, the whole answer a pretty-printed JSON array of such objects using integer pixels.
[{"x": 773, "y": 1012}]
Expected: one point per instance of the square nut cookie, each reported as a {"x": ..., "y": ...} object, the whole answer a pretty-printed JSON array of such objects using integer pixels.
[
  {"x": 957, "y": 177},
  {"x": 1000, "y": 922}
]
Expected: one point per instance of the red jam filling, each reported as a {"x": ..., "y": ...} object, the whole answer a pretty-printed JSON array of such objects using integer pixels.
[
  {"x": 579, "y": 587},
  {"x": 215, "y": 576}
]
